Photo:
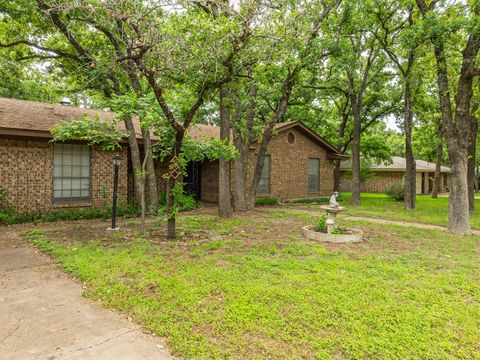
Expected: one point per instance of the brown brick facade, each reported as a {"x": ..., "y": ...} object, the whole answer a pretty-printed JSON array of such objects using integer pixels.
[
  {"x": 26, "y": 173},
  {"x": 289, "y": 169}
]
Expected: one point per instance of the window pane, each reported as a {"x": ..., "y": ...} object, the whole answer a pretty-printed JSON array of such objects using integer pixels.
[
  {"x": 57, "y": 184},
  {"x": 57, "y": 158},
  {"x": 57, "y": 171},
  {"x": 57, "y": 194},
  {"x": 76, "y": 171},
  {"x": 75, "y": 183},
  {"x": 313, "y": 173},
  {"x": 67, "y": 193},
  {"x": 76, "y": 149},
  {"x": 67, "y": 171},
  {"x": 76, "y": 160},
  {"x": 75, "y": 193},
  {"x": 264, "y": 183},
  {"x": 85, "y": 184},
  {"x": 85, "y": 171}
]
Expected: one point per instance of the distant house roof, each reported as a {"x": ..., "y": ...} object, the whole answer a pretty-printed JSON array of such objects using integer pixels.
[
  {"x": 398, "y": 164},
  {"x": 35, "y": 119}
]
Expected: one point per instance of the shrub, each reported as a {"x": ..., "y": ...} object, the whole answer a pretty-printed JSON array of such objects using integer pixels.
[
  {"x": 182, "y": 202},
  {"x": 9, "y": 217},
  {"x": 321, "y": 226},
  {"x": 266, "y": 200},
  {"x": 322, "y": 199},
  {"x": 396, "y": 191}
]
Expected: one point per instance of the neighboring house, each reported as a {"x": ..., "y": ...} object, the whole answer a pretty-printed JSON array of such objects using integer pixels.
[
  {"x": 39, "y": 175},
  {"x": 387, "y": 174}
]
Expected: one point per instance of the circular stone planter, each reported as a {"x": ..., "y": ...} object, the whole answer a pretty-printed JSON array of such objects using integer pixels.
[{"x": 355, "y": 235}]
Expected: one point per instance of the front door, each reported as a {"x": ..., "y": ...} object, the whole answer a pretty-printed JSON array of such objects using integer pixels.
[{"x": 192, "y": 180}]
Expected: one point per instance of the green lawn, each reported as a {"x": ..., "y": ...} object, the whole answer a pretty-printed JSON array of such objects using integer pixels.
[
  {"x": 252, "y": 287},
  {"x": 429, "y": 211}
]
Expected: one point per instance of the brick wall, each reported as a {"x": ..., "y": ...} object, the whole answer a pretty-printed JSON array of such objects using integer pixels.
[
  {"x": 209, "y": 181},
  {"x": 289, "y": 167},
  {"x": 378, "y": 184},
  {"x": 384, "y": 179},
  {"x": 26, "y": 173}
]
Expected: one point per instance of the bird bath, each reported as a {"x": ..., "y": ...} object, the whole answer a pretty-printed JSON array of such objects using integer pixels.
[{"x": 332, "y": 211}]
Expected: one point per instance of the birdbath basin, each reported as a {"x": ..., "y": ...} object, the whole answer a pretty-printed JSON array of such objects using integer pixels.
[{"x": 333, "y": 211}]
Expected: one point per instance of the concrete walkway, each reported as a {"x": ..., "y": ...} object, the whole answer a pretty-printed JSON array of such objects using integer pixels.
[
  {"x": 385, "y": 221},
  {"x": 43, "y": 314}
]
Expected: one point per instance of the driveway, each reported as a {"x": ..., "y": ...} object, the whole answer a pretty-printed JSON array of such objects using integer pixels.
[{"x": 43, "y": 314}]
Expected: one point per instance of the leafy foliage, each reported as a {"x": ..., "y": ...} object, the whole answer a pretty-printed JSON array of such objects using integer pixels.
[
  {"x": 266, "y": 200},
  {"x": 396, "y": 191},
  {"x": 93, "y": 130}
]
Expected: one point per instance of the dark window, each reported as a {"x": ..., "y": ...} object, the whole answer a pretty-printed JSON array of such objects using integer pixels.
[
  {"x": 313, "y": 175},
  {"x": 71, "y": 173},
  {"x": 264, "y": 184}
]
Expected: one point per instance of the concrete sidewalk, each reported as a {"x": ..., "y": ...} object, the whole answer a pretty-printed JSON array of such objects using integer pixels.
[{"x": 44, "y": 316}]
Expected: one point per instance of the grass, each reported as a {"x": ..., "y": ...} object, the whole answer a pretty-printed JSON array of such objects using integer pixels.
[
  {"x": 251, "y": 287},
  {"x": 428, "y": 211}
]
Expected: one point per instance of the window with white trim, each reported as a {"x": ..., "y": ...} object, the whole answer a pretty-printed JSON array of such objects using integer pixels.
[
  {"x": 71, "y": 173},
  {"x": 313, "y": 175},
  {"x": 264, "y": 184}
]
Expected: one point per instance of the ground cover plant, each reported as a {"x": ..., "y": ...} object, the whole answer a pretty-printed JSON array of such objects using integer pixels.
[
  {"x": 252, "y": 287},
  {"x": 8, "y": 215}
]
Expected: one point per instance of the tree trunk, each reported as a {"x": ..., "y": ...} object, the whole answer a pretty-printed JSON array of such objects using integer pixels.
[
  {"x": 151, "y": 180},
  {"x": 472, "y": 142},
  {"x": 336, "y": 176},
  {"x": 410, "y": 170},
  {"x": 240, "y": 166},
  {"x": 135, "y": 156},
  {"x": 224, "y": 172},
  {"x": 438, "y": 163},
  {"x": 142, "y": 206},
  {"x": 458, "y": 214},
  {"x": 356, "y": 179},
  {"x": 171, "y": 223}
]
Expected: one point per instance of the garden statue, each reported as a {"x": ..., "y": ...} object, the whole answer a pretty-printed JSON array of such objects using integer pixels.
[{"x": 333, "y": 200}]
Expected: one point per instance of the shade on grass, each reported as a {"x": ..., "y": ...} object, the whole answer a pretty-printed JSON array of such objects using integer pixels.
[
  {"x": 428, "y": 210},
  {"x": 405, "y": 293}
]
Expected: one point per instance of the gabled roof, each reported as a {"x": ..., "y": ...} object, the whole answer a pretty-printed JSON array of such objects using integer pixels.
[
  {"x": 332, "y": 151},
  {"x": 399, "y": 164}
]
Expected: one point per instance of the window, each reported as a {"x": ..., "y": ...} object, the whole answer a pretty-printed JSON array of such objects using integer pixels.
[
  {"x": 291, "y": 138},
  {"x": 264, "y": 184},
  {"x": 313, "y": 175},
  {"x": 71, "y": 173}
]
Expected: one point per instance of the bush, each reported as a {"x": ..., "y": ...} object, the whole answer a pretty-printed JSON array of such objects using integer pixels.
[
  {"x": 321, "y": 226},
  {"x": 396, "y": 191},
  {"x": 182, "y": 202},
  {"x": 9, "y": 217},
  {"x": 266, "y": 200},
  {"x": 321, "y": 200}
]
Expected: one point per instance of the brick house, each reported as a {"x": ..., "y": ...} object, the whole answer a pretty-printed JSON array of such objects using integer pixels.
[
  {"x": 299, "y": 164},
  {"x": 387, "y": 174},
  {"x": 39, "y": 175}
]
